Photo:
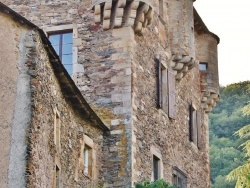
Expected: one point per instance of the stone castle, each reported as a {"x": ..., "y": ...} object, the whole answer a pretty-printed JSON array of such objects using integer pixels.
[{"x": 105, "y": 93}]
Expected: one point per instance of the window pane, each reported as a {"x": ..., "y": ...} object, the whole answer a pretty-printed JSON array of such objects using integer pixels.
[
  {"x": 67, "y": 38},
  {"x": 54, "y": 39},
  {"x": 69, "y": 69},
  {"x": 203, "y": 66},
  {"x": 67, "y": 59},
  {"x": 67, "y": 49},
  {"x": 56, "y": 49}
]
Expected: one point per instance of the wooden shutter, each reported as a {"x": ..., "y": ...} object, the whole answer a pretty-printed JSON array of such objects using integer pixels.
[
  {"x": 191, "y": 123},
  {"x": 171, "y": 94},
  {"x": 159, "y": 84},
  {"x": 199, "y": 130}
]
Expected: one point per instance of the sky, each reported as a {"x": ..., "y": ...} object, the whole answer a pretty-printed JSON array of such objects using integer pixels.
[{"x": 230, "y": 20}]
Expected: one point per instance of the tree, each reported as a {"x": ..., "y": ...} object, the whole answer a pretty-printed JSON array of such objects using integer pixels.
[{"x": 242, "y": 173}]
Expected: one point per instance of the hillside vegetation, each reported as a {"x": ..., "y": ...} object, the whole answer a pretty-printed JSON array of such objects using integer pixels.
[{"x": 225, "y": 119}]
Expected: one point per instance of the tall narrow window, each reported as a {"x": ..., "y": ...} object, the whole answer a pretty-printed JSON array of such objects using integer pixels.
[
  {"x": 62, "y": 43},
  {"x": 156, "y": 166},
  {"x": 57, "y": 133},
  {"x": 87, "y": 154},
  {"x": 195, "y": 126}
]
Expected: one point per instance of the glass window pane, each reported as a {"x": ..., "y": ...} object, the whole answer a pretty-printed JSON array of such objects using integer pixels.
[
  {"x": 54, "y": 39},
  {"x": 56, "y": 49},
  {"x": 69, "y": 69},
  {"x": 67, "y": 59},
  {"x": 203, "y": 66},
  {"x": 67, "y": 38},
  {"x": 67, "y": 49}
]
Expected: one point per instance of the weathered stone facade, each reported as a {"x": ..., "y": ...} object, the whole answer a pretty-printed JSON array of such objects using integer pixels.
[
  {"x": 115, "y": 46},
  {"x": 39, "y": 95}
]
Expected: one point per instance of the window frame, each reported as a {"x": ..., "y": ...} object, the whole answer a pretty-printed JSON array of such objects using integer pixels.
[
  {"x": 195, "y": 129},
  {"x": 156, "y": 154},
  {"x": 178, "y": 174},
  {"x": 165, "y": 89},
  {"x": 88, "y": 144},
  {"x": 61, "y": 47}
]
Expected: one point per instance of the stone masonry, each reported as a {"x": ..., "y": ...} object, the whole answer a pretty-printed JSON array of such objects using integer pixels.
[{"x": 116, "y": 47}]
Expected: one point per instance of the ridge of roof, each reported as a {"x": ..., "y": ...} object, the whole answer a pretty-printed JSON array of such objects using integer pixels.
[{"x": 201, "y": 27}]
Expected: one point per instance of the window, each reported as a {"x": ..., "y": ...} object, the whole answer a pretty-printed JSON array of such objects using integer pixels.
[
  {"x": 88, "y": 158},
  {"x": 203, "y": 66},
  {"x": 62, "y": 43},
  {"x": 194, "y": 126},
  {"x": 57, "y": 132},
  {"x": 156, "y": 167},
  {"x": 179, "y": 178},
  {"x": 87, "y": 153},
  {"x": 165, "y": 89}
]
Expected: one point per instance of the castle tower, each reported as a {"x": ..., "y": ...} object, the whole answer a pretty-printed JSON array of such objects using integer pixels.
[{"x": 136, "y": 62}]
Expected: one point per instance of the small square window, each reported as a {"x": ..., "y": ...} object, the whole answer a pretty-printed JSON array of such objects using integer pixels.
[
  {"x": 63, "y": 45},
  {"x": 203, "y": 66}
]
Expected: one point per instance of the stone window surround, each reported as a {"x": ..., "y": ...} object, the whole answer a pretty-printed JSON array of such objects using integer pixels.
[
  {"x": 87, "y": 141},
  {"x": 156, "y": 152},
  {"x": 57, "y": 163},
  {"x": 194, "y": 145},
  {"x": 63, "y": 28},
  {"x": 177, "y": 173}
]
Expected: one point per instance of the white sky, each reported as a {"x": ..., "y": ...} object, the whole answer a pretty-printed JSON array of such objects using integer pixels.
[{"x": 230, "y": 20}]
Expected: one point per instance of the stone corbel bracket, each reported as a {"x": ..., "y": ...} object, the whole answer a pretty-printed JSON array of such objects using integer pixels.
[
  {"x": 121, "y": 13},
  {"x": 181, "y": 64},
  {"x": 209, "y": 100},
  {"x": 210, "y": 95}
]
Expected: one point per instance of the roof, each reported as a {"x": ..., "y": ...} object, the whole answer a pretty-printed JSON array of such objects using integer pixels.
[
  {"x": 68, "y": 87},
  {"x": 201, "y": 28}
]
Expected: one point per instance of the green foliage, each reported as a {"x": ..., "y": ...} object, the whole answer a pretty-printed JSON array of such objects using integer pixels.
[
  {"x": 157, "y": 184},
  {"x": 242, "y": 173},
  {"x": 225, "y": 119}
]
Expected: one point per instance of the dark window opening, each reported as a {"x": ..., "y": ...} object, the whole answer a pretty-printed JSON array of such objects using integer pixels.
[
  {"x": 63, "y": 45},
  {"x": 57, "y": 177},
  {"x": 195, "y": 130},
  {"x": 156, "y": 166}
]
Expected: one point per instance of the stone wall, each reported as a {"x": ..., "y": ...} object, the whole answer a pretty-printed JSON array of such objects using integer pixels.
[
  {"x": 9, "y": 54},
  {"x": 116, "y": 72}
]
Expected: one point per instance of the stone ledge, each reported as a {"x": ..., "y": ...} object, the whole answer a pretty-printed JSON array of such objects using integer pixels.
[{"x": 121, "y": 13}]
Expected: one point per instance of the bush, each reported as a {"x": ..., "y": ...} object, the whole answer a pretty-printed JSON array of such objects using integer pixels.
[{"x": 157, "y": 184}]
